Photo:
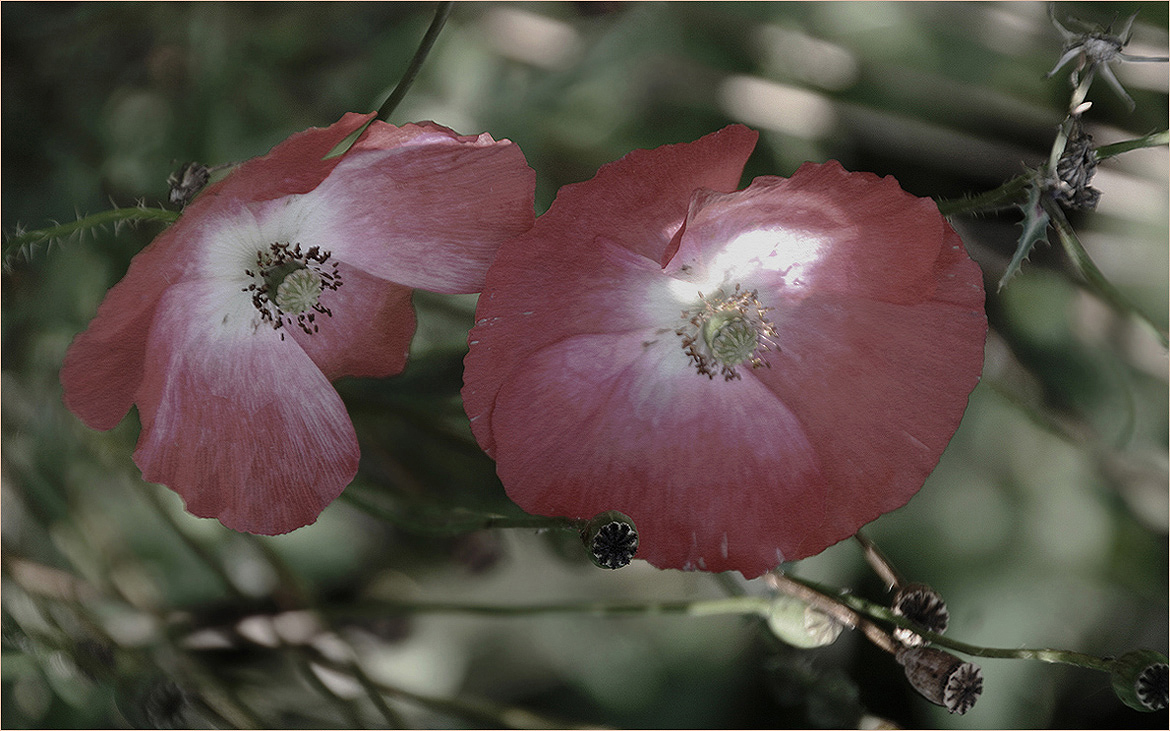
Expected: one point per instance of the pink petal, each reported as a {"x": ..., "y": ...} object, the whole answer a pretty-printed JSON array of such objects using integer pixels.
[
  {"x": 641, "y": 200},
  {"x": 880, "y": 387},
  {"x": 428, "y": 210},
  {"x": 598, "y": 246},
  {"x": 293, "y": 166},
  {"x": 576, "y": 382},
  {"x": 823, "y": 229},
  {"x": 103, "y": 366},
  {"x": 241, "y": 424},
  {"x": 369, "y": 331},
  {"x": 716, "y": 475}
]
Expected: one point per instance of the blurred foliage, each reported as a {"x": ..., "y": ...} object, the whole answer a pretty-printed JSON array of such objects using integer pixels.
[{"x": 1045, "y": 524}]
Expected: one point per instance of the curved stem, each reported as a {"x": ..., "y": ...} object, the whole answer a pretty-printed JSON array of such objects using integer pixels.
[
  {"x": 441, "y": 12},
  {"x": 1093, "y": 276}
]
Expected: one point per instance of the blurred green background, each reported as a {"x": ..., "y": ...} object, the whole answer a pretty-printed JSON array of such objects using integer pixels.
[{"x": 1044, "y": 525}]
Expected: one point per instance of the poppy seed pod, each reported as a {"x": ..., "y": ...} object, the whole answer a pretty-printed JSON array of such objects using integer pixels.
[
  {"x": 800, "y": 624},
  {"x": 942, "y": 678},
  {"x": 611, "y": 539},
  {"x": 1140, "y": 679},
  {"x": 922, "y": 605}
]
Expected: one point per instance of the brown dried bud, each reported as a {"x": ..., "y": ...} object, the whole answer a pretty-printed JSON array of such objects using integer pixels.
[
  {"x": 923, "y": 606},
  {"x": 942, "y": 678}
]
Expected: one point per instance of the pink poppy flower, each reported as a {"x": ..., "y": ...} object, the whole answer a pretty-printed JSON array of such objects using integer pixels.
[
  {"x": 291, "y": 272},
  {"x": 751, "y": 376}
]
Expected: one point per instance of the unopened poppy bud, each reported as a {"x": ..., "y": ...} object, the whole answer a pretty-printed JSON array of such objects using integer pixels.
[
  {"x": 800, "y": 624},
  {"x": 1140, "y": 679},
  {"x": 611, "y": 539},
  {"x": 923, "y": 606},
  {"x": 942, "y": 678}
]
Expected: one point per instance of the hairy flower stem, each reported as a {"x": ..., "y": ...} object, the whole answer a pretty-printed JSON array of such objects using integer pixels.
[
  {"x": 1002, "y": 197},
  {"x": 25, "y": 240},
  {"x": 1006, "y": 195}
]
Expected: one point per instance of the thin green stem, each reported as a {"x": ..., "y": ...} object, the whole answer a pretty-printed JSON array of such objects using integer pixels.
[
  {"x": 345, "y": 707},
  {"x": 210, "y": 561},
  {"x": 457, "y": 521},
  {"x": 23, "y": 240},
  {"x": 441, "y": 12},
  {"x": 750, "y": 605},
  {"x": 482, "y": 712},
  {"x": 701, "y": 608},
  {"x": 1156, "y": 139},
  {"x": 881, "y": 613},
  {"x": 1093, "y": 276}
]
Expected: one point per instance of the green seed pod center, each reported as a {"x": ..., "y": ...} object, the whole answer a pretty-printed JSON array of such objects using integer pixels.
[
  {"x": 298, "y": 291},
  {"x": 731, "y": 337}
]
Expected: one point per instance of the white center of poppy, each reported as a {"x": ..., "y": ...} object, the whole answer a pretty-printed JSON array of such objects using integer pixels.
[
  {"x": 724, "y": 331},
  {"x": 287, "y": 285}
]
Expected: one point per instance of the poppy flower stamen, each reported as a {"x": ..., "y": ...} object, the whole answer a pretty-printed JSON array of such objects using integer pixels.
[
  {"x": 727, "y": 330},
  {"x": 287, "y": 285}
]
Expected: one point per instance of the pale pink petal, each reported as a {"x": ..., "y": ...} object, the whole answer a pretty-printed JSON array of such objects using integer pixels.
[
  {"x": 369, "y": 331},
  {"x": 430, "y": 212},
  {"x": 879, "y": 330},
  {"x": 592, "y": 262},
  {"x": 823, "y": 229},
  {"x": 716, "y": 475},
  {"x": 296, "y": 165},
  {"x": 240, "y": 423},
  {"x": 536, "y": 295},
  {"x": 103, "y": 366},
  {"x": 880, "y": 386}
]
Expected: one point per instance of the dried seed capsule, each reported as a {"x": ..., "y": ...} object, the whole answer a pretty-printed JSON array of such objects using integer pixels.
[
  {"x": 1140, "y": 679},
  {"x": 611, "y": 539},
  {"x": 922, "y": 605},
  {"x": 942, "y": 678}
]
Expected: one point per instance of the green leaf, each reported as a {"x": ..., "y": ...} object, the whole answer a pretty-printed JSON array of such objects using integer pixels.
[{"x": 1035, "y": 225}]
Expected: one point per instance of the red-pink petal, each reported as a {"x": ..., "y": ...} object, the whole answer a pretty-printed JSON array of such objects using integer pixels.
[
  {"x": 103, "y": 366},
  {"x": 641, "y": 200},
  {"x": 879, "y": 388},
  {"x": 716, "y": 475},
  {"x": 599, "y": 244},
  {"x": 369, "y": 331},
  {"x": 879, "y": 324},
  {"x": 824, "y": 229},
  {"x": 294, "y": 166},
  {"x": 430, "y": 210},
  {"x": 240, "y": 423}
]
